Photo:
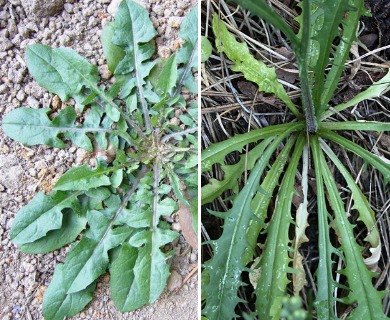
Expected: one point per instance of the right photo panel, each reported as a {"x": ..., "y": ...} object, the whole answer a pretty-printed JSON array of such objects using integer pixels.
[{"x": 295, "y": 159}]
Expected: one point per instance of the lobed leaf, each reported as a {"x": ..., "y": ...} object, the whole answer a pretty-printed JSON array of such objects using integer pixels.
[
  {"x": 33, "y": 126},
  {"x": 263, "y": 198},
  {"x": 325, "y": 300},
  {"x": 232, "y": 174},
  {"x": 146, "y": 280},
  {"x": 366, "y": 214},
  {"x": 368, "y": 299},
  {"x": 113, "y": 53},
  {"x": 274, "y": 263},
  {"x": 226, "y": 265},
  {"x": 133, "y": 31},
  {"x": 252, "y": 69}
]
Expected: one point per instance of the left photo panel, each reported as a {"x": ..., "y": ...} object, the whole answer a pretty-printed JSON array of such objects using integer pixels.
[{"x": 99, "y": 159}]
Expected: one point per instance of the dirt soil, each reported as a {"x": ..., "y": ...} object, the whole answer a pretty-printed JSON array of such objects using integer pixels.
[{"x": 24, "y": 171}]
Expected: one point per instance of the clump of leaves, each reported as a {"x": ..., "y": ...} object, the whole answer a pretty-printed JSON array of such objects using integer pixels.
[
  {"x": 327, "y": 31},
  {"x": 112, "y": 214}
]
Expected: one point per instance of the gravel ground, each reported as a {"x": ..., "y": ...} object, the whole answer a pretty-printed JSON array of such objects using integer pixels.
[{"x": 25, "y": 171}]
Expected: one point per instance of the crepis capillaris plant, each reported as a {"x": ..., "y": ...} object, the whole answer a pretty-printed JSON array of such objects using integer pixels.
[
  {"x": 112, "y": 214},
  {"x": 321, "y": 47}
]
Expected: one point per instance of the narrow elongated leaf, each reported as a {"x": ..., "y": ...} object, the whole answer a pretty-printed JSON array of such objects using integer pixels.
[
  {"x": 370, "y": 158},
  {"x": 252, "y": 69},
  {"x": 42, "y": 214},
  {"x": 350, "y": 24},
  {"x": 301, "y": 224},
  {"x": 72, "y": 225},
  {"x": 327, "y": 29},
  {"x": 83, "y": 178},
  {"x": 272, "y": 284},
  {"x": 263, "y": 198},
  {"x": 366, "y": 214},
  {"x": 375, "y": 90},
  {"x": 217, "y": 152},
  {"x": 357, "y": 125},
  {"x": 368, "y": 299},
  {"x": 325, "y": 300},
  {"x": 264, "y": 11},
  {"x": 226, "y": 265}
]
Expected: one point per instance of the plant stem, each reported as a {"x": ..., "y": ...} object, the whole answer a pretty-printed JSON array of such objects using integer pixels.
[
  {"x": 130, "y": 122},
  {"x": 306, "y": 89},
  {"x": 186, "y": 70},
  {"x": 124, "y": 202},
  {"x": 177, "y": 134},
  {"x": 156, "y": 173}
]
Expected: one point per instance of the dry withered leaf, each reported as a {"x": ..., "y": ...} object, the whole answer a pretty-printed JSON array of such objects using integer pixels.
[{"x": 185, "y": 220}]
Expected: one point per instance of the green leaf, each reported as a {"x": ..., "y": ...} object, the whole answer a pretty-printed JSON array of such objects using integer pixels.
[
  {"x": 72, "y": 225},
  {"x": 188, "y": 53},
  {"x": 113, "y": 53},
  {"x": 61, "y": 70},
  {"x": 57, "y": 304},
  {"x": 327, "y": 29},
  {"x": 133, "y": 31},
  {"x": 167, "y": 78},
  {"x": 350, "y": 24},
  {"x": 232, "y": 174},
  {"x": 366, "y": 214},
  {"x": 264, "y": 11},
  {"x": 83, "y": 178},
  {"x": 122, "y": 278},
  {"x": 357, "y": 125},
  {"x": 42, "y": 214},
  {"x": 32, "y": 126},
  {"x": 252, "y": 69},
  {"x": 226, "y": 265},
  {"x": 375, "y": 161},
  {"x": 272, "y": 285},
  {"x": 175, "y": 182},
  {"x": 206, "y": 49},
  {"x": 325, "y": 300},
  {"x": 217, "y": 152},
  {"x": 375, "y": 90},
  {"x": 368, "y": 299},
  {"x": 147, "y": 279}
]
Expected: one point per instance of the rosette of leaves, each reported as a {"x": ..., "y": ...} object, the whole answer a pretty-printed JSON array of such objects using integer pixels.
[
  {"x": 263, "y": 205},
  {"x": 111, "y": 214}
]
